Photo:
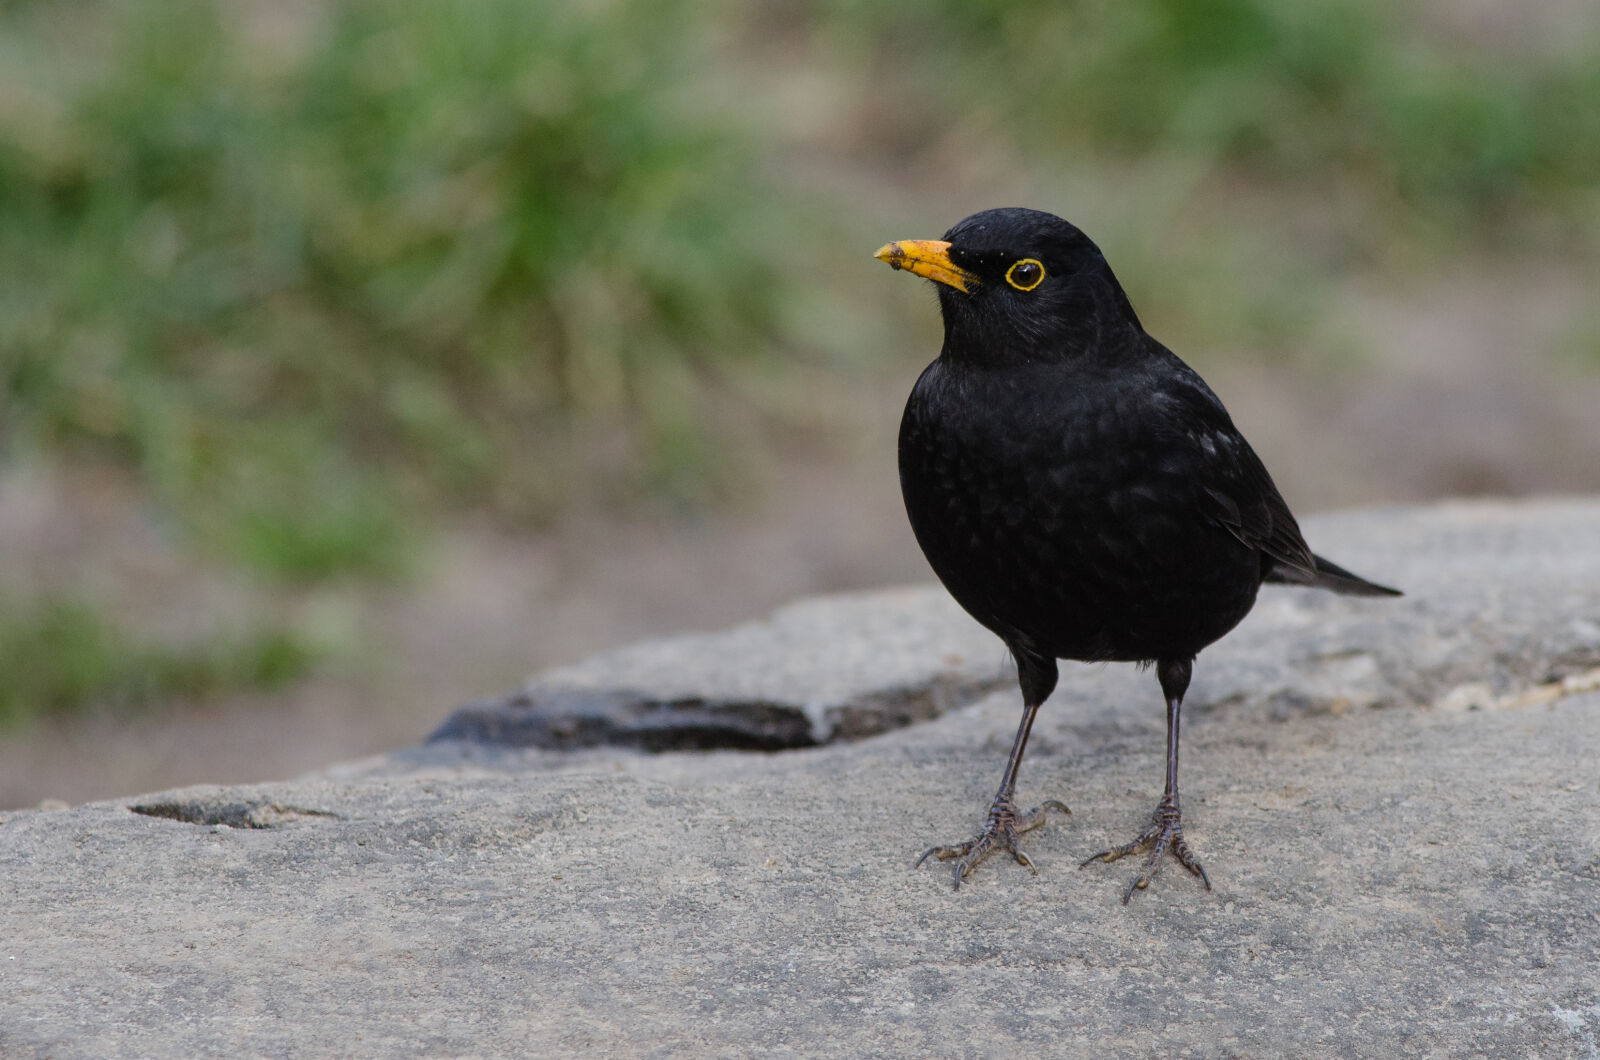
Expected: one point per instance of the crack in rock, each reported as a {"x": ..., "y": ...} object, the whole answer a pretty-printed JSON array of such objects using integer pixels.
[
  {"x": 818, "y": 671},
  {"x": 238, "y": 814},
  {"x": 567, "y": 719}
]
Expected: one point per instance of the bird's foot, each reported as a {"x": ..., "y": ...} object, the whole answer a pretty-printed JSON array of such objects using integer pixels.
[
  {"x": 1165, "y": 833},
  {"x": 1001, "y": 830}
]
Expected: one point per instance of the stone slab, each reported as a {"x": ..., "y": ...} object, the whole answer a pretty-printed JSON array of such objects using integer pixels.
[{"x": 1396, "y": 801}]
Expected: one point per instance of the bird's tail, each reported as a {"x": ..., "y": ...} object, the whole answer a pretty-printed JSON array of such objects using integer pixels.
[{"x": 1329, "y": 575}]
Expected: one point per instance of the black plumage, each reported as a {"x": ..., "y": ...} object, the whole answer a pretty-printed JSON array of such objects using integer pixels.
[{"x": 1079, "y": 489}]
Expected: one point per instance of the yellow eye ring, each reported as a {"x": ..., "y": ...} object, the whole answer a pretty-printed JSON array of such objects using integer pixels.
[{"x": 1026, "y": 274}]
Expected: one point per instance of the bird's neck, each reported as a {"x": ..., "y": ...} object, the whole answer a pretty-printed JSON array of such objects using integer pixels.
[{"x": 1085, "y": 342}]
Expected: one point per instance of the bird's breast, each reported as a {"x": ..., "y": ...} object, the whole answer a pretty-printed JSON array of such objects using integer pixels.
[{"x": 1054, "y": 513}]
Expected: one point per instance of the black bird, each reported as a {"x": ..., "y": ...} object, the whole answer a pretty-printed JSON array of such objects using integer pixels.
[{"x": 1080, "y": 490}]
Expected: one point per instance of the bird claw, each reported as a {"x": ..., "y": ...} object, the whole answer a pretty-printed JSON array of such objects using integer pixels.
[
  {"x": 1001, "y": 830},
  {"x": 1165, "y": 833}
]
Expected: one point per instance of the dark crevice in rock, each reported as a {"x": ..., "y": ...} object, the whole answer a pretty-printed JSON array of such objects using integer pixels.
[
  {"x": 237, "y": 814},
  {"x": 572, "y": 719},
  {"x": 875, "y": 713}
]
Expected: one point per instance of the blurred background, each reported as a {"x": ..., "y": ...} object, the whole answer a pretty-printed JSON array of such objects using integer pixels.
[{"x": 360, "y": 357}]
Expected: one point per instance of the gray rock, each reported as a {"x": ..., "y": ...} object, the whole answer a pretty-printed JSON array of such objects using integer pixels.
[
  {"x": 825, "y": 669},
  {"x": 1395, "y": 800},
  {"x": 1499, "y": 597}
]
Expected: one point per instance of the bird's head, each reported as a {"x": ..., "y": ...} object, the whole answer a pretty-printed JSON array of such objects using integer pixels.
[{"x": 1017, "y": 286}]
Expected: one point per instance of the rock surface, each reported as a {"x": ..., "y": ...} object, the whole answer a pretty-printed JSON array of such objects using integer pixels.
[
  {"x": 1396, "y": 801},
  {"x": 825, "y": 669}
]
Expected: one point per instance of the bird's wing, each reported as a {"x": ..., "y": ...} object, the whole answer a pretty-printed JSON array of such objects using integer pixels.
[
  {"x": 1237, "y": 491},
  {"x": 1251, "y": 508}
]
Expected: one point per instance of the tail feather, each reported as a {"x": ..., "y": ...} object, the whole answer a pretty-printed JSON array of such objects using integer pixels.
[{"x": 1328, "y": 575}]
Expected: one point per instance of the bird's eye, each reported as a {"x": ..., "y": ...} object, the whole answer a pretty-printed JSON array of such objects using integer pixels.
[{"x": 1026, "y": 274}]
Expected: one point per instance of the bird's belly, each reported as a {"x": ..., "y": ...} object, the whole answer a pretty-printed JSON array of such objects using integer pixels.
[{"x": 1089, "y": 562}]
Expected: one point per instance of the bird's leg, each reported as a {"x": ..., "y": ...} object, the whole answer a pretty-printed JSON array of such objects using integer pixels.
[
  {"x": 1166, "y": 828},
  {"x": 1004, "y": 823}
]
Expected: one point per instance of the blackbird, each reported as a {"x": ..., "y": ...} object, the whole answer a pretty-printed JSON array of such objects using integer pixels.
[{"x": 1080, "y": 491}]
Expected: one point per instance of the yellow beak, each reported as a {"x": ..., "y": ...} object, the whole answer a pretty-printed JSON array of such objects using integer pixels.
[{"x": 928, "y": 258}]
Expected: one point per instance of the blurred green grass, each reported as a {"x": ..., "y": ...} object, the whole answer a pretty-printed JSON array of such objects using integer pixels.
[
  {"x": 318, "y": 274},
  {"x": 60, "y": 656},
  {"x": 393, "y": 261},
  {"x": 1439, "y": 132}
]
